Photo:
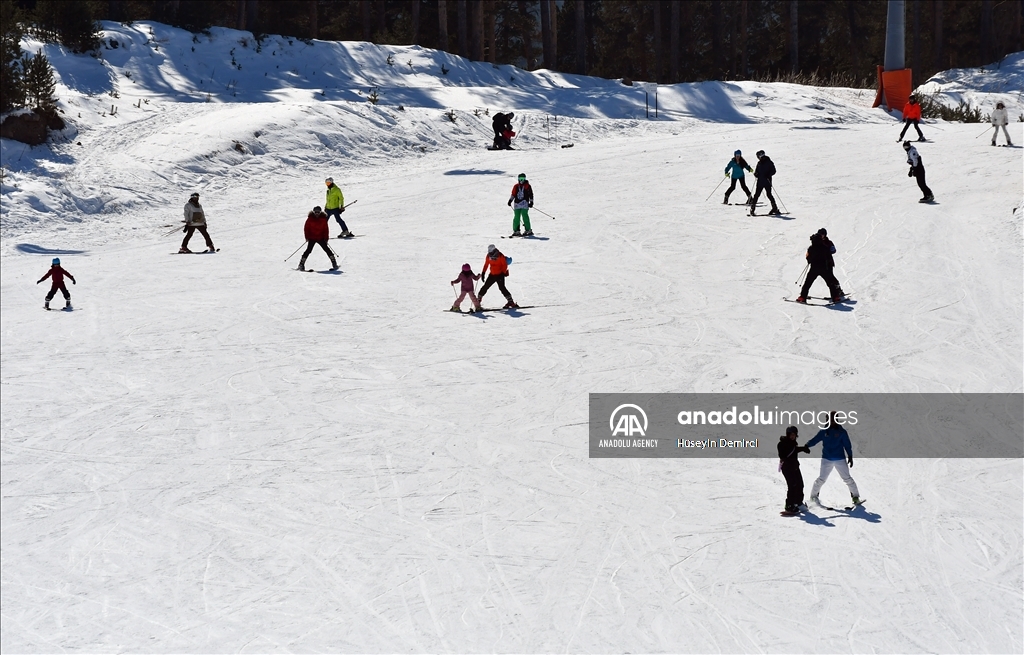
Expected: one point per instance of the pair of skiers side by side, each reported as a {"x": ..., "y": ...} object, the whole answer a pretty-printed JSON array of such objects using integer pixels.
[
  {"x": 1000, "y": 120},
  {"x": 57, "y": 275},
  {"x": 317, "y": 231},
  {"x": 836, "y": 454},
  {"x": 917, "y": 171},
  {"x": 494, "y": 271},
  {"x": 820, "y": 263},
  {"x": 195, "y": 219},
  {"x": 503, "y": 134},
  {"x": 521, "y": 202}
]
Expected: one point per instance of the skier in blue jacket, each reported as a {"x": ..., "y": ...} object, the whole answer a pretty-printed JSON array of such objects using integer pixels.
[
  {"x": 836, "y": 453},
  {"x": 735, "y": 169}
]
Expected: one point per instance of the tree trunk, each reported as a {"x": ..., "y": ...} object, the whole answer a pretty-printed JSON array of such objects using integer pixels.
[
  {"x": 937, "y": 41},
  {"x": 794, "y": 37},
  {"x": 716, "y": 38},
  {"x": 673, "y": 41},
  {"x": 414, "y": 12},
  {"x": 527, "y": 36},
  {"x": 985, "y": 44},
  {"x": 553, "y": 20},
  {"x": 545, "y": 33},
  {"x": 442, "y": 25},
  {"x": 460, "y": 10},
  {"x": 744, "y": 64},
  {"x": 851, "y": 19},
  {"x": 240, "y": 14},
  {"x": 490, "y": 32},
  {"x": 314, "y": 25},
  {"x": 476, "y": 30},
  {"x": 252, "y": 16},
  {"x": 364, "y": 10},
  {"x": 659, "y": 53},
  {"x": 382, "y": 17}
]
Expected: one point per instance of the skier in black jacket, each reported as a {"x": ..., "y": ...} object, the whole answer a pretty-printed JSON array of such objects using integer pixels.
[
  {"x": 764, "y": 171},
  {"x": 790, "y": 467},
  {"x": 819, "y": 256}
]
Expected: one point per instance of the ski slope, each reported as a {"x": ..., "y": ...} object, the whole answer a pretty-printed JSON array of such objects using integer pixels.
[{"x": 218, "y": 453}]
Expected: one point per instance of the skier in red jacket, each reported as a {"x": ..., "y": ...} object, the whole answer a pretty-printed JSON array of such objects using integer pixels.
[
  {"x": 56, "y": 275},
  {"x": 912, "y": 116},
  {"x": 317, "y": 231},
  {"x": 498, "y": 265}
]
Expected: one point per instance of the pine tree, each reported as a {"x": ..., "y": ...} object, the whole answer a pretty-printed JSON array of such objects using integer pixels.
[
  {"x": 69, "y": 23},
  {"x": 12, "y": 91},
  {"x": 39, "y": 82}
]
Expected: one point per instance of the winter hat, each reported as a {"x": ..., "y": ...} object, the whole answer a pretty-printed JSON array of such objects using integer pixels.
[
  {"x": 759, "y": 154},
  {"x": 194, "y": 195},
  {"x": 491, "y": 248},
  {"x": 791, "y": 430},
  {"x": 467, "y": 268},
  {"x": 329, "y": 180},
  {"x": 522, "y": 177},
  {"x": 737, "y": 153},
  {"x": 823, "y": 232},
  {"x": 56, "y": 261},
  {"x": 999, "y": 105},
  {"x": 510, "y": 115},
  {"x": 906, "y": 145},
  {"x": 317, "y": 210}
]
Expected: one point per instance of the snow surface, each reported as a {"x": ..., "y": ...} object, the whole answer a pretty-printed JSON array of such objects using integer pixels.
[{"x": 218, "y": 453}]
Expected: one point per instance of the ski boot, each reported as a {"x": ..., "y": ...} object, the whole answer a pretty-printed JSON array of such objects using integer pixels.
[
  {"x": 302, "y": 264},
  {"x": 774, "y": 212},
  {"x": 993, "y": 143},
  {"x": 67, "y": 304},
  {"x": 184, "y": 251},
  {"x": 46, "y": 305},
  {"x": 801, "y": 299},
  {"x": 345, "y": 235},
  {"x": 455, "y": 308},
  {"x": 511, "y": 304},
  {"x": 726, "y": 201},
  {"x": 922, "y": 139},
  {"x": 333, "y": 267},
  {"x": 517, "y": 233},
  {"x": 528, "y": 233},
  {"x": 814, "y": 499},
  {"x": 211, "y": 249},
  {"x": 477, "y": 310}
]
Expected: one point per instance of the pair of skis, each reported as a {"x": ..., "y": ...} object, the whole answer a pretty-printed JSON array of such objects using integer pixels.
[
  {"x": 828, "y": 301},
  {"x": 850, "y": 508}
]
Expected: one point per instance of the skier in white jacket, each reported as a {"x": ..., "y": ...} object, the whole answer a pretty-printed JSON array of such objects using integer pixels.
[{"x": 999, "y": 119}]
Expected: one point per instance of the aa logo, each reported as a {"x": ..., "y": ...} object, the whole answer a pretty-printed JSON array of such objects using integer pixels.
[{"x": 631, "y": 421}]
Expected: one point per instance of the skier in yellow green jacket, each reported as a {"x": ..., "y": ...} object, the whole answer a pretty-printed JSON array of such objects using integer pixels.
[{"x": 335, "y": 205}]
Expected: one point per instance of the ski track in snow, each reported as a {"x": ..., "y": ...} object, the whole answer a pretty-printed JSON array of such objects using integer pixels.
[{"x": 219, "y": 453}]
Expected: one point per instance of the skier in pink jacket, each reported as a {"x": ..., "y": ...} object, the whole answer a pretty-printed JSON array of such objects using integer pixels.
[{"x": 468, "y": 278}]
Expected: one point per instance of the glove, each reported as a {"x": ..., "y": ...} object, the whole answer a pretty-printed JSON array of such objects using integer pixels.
[
  {"x": 530, "y": 205},
  {"x": 509, "y": 202},
  {"x": 184, "y": 229},
  {"x": 73, "y": 282},
  {"x": 341, "y": 210},
  {"x": 39, "y": 281},
  {"x": 910, "y": 173},
  {"x": 849, "y": 460}
]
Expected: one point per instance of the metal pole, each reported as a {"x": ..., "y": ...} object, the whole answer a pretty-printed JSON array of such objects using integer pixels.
[
  {"x": 776, "y": 190},
  {"x": 296, "y": 250},
  {"x": 545, "y": 213},
  {"x": 800, "y": 279},
  {"x": 716, "y": 188}
]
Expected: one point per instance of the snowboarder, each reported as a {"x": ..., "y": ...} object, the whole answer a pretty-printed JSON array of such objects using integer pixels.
[
  {"x": 917, "y": 171},
  {"x": 56, "y": 275},
  {"x": 502, "y": 126},
  {"x": 317, "y": 231},
  {"x": 790, "y": 467},
  {"x": 912, "y": 116},
  {"x": 735, "y": 169},
  {"x": 522, "y": 196},
  {"x": 836, "y": 453},
  {"x": 498, "y": 265},
  {"x": 467, "y": 277},
  {"x": 195, "y": 219},
  {"x": 764, "y": 171},
  {"x": 335, "y": 206},
  {"x": 819, "y": 256},
  {"x": 999, "y": 119}
]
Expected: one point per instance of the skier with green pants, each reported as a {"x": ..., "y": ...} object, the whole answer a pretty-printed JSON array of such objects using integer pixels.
[{"x": 522, "y": 196}]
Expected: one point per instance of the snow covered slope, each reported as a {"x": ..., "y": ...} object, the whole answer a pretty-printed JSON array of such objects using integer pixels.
[{"x": 217, "y": 452}]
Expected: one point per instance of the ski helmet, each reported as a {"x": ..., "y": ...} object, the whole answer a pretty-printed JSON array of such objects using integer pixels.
[
  {"x": 329, "y": 180},
  {"x": 759, "y": 154},
  {"x": 194, "y": 196},
  {"x": 522, "y": 177},
  {"x": 823, "y": 232},
  {"x": 491, "y": 248},
  {"x": 737, "y": 153},
  {"x": 56, "y": 261},
  {"x": 317, "y": 210},
  {"x": 467, "y": 268},
  {"x": 906, "y": 145}
]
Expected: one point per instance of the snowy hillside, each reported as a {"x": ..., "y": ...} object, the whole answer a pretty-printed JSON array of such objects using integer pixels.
[{"x": 219, "y": 453}]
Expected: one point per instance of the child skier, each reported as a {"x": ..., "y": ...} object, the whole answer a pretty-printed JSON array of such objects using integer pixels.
[
  {"x": 735, "y": 169},
  {"x": 522, "y": 196},
  {"x": 498, "y": 265},
  {"x": 790, "y": 467},
  {"x": 335, "y": 206},
  {"x": 195, "y": 219},
  {"x": 835, "y": 444},
  {"x": 56, "y": 275},
  {"x": 467, "y": 277},
  {"x": 317, "y": 232},
  {"x": 912, "y": 116},
  {"x": 917, "y": 171},
  {"x": 999, "y": 119},
  {"x": 819, "y": 256}
]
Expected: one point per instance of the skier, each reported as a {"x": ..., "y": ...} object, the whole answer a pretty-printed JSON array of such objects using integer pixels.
[
  {"x": 999, "y": 119},
  {"x": 195, "y": 219},
  {"x": 764, "y": 171},
  {"x": 917, "y": 171},
  {"x": 912, "y": 116},
  {"x": 790, "y": 467},
  {"x": 835, "y": 445},
  {"x": 56, "y": 275},
  {"x": 735, "y": 169},
  {"x": 317, "y": 231},
  {"x": 819, "y": 256},
  {"x": 522, "y": 196},
  {"x": 498, "y": 265},
  {"x": 502, "y": 126},
  {"x": 335, "y": 205},
  {"x": 467, "y": 277}
]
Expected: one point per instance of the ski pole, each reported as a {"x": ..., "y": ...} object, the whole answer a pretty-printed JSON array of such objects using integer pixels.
[
  {"x": 804, "y": 272},
  {"x": 716, "y": 188},
  {"x": 545, "y": 213},
  {"x": 776, "y": 190},
  {"x": 296, "y": 250},
  {"x": 172, "y": 232},
  {"x": 983, "y": 133},
  {"x": 350, "y": 204}
]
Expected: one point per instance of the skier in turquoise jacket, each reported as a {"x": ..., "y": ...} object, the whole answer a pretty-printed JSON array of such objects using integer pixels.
[
  {"x": 735, "y": 169},
  {"x": 836, "y": 453}
]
